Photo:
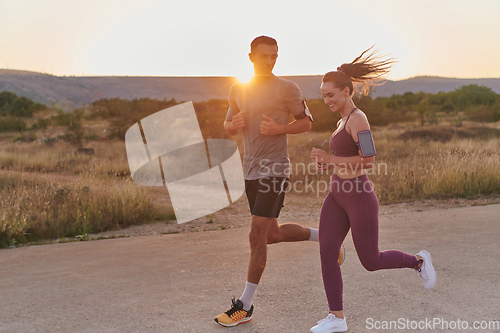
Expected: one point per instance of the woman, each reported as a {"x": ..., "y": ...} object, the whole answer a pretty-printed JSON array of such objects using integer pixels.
[{"x": 351, "y": 202}]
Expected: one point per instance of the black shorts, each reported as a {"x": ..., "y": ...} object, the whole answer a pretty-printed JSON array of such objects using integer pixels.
[{"x": 266, "y": 195}]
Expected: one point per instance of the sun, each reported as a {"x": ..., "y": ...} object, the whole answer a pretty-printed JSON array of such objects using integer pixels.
[{"x": 245, "y": 75}]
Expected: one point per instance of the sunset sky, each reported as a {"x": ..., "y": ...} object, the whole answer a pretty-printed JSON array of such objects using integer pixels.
[{"x": 451, "y": 38}]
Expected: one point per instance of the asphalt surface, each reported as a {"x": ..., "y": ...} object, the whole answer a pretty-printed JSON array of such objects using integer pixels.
[{"x": 180, "y": 282}]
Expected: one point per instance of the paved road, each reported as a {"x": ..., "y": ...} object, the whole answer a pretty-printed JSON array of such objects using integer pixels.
[{"x": 180, "y": 282}]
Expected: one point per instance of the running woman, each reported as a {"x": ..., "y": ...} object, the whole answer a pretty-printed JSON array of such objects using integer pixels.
[
  {"x": 261, "y": 110},
  {"x": 351, "y": 202}
]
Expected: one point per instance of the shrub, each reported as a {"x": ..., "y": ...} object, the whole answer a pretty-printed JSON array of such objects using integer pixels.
[{"x": 9, "y": 123}]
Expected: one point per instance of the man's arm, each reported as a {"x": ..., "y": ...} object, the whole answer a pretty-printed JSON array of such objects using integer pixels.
[
  {"x": 234, "y": 118},
  {"x": 269, "y": 127},
  {"x": 233, "y": 127},
  {"x": 228, "y": 126}
]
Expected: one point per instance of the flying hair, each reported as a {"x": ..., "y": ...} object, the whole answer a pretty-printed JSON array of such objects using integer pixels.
[{"x": 362, "y": 73}]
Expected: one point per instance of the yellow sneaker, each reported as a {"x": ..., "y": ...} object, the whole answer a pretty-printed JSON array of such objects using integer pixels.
[
  {"x": 342, "y": 254},
  {"x": 234, "y": 316}
]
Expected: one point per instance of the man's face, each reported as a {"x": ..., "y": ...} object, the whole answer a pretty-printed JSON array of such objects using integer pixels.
[{"x": 264, "y": 58}]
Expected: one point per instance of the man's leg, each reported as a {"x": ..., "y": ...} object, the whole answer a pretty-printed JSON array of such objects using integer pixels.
[
  {"x": 258, "y": 247},
  {"x": 242, "y": 309},
  {"x": 263, "y": 231},
  {"x": 287, "y": 232},
  {"x": 265, "y": 205}
]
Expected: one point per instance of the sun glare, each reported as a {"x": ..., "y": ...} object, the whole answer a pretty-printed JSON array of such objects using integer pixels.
[{"x": 244, "y": 76}]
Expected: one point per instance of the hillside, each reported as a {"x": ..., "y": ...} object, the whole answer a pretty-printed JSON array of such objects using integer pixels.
[
  {"x": 431, "y": 84},
  {"x": 69, "y": 92},
  {"x": 428, "y": 84}
]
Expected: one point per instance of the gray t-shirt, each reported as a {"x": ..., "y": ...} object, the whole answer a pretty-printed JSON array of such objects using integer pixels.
[{"x": 266, "y": 155}]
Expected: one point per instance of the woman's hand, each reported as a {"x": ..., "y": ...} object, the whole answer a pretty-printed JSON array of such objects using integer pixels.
[
  {"x": 323, "y": 167},
  {"x": 322, "y": 159}
]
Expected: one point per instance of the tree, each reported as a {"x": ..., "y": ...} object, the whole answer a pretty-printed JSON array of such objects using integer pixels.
[
  {"x": 75, "y": 126},
  {"x": 325, "y": 119},
  {"x": 124, "y": 113},
  {"x": 211, "y": 115},
  {"x": 7, "y": 98},
  {"x": 474, "y": 94},
  {"x": 10, "y": 123},
  {"x": 377, "y": 113},
  {"x": 22, "y": 107}
]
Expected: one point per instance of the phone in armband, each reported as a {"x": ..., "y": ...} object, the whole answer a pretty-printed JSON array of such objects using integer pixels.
[{"x": 365, "y": 144}]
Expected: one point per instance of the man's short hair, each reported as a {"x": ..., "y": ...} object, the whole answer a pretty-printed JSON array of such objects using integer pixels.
[{"x": 262, "y": 40}]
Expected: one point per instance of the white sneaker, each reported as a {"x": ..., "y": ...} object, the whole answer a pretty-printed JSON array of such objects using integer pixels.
[
  {"x": 427, "y": 272},
  {"x": 330, "y": 324}
]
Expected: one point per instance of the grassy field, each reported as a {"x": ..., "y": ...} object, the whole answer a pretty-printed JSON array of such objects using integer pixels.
[
  {"x": 413, "y": 163},
  {"x": 34, "y": 207},
  {"x": 49, "y": 192}
]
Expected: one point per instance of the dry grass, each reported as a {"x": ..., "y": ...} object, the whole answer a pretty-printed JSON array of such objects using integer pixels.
[
  {"x": 420, "y": 168},
  {"x": 109, "y": 159},
  {"x": 37, "y": 202},
  {"x": 33, "y": 208},
  {"x": 49, "y": 192},
  {"x": 409, "y": 166}
]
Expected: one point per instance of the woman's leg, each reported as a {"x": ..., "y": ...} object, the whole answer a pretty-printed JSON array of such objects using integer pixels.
[
  {"x": 333, "y": 227},
  {"x": 363, "y": 216}
]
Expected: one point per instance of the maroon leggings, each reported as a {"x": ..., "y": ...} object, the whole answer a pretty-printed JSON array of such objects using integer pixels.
[{"x": 352, "y": 203}]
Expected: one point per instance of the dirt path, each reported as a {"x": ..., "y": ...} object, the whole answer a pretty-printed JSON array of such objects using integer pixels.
[{"x": 179, "y": 282}]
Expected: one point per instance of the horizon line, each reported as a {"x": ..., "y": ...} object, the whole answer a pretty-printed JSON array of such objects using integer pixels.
[{"x": 234, "y": 77}]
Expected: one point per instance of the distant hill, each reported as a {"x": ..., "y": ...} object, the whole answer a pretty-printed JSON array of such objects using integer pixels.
[
  {"x": 428, "y": 84},
  {"x": 69, "y": 92},
  {"x": 431, "y": 84}
]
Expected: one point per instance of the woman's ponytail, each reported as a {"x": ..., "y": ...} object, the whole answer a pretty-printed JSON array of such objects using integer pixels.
[{"x": 366, "y": 70}]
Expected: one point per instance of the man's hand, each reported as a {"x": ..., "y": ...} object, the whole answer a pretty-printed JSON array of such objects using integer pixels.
[
  {"x": 238, "y": 121},
  {"x": 270, "y": 127}
]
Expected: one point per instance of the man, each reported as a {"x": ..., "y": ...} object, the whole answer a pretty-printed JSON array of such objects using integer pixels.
[{"x": 261, "y": 110}]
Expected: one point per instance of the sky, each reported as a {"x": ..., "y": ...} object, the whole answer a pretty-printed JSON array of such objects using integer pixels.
[{"x": 449, "y": 38}]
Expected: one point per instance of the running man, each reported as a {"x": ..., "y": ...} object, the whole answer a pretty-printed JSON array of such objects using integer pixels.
[{"x": 261, "y": 109}]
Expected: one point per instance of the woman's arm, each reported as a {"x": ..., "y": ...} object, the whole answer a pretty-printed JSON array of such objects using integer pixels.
[
  {"x": 357, "y": 123},
  {"x": 353, "y": 163}
]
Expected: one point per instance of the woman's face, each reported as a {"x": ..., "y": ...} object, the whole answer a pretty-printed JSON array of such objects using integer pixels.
[{"x": 334, "y": 97}]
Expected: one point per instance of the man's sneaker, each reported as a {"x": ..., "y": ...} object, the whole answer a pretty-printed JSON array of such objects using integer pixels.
[
  {"x": 426, "y": 271},
  {"x": 342, "y": 254},
  {"x": 234, "y": 316},
  {"x": 330, "y": 324}
]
